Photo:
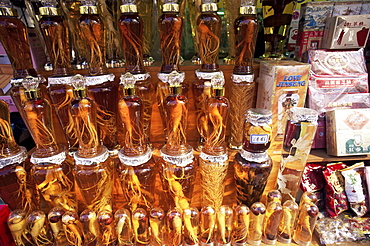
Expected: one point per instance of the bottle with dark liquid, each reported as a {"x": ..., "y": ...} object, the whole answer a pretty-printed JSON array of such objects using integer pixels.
[
  {"x": 131, "y": 28},
  {"x": 51, "y": 168},
  {"x": 299, "y": 133},
  {"x": 274, "y": 211},
  {"x": 16, "y": 186},
  {"x": 100, "y": 84},
  {"x": 177, "y": 162},
  {"x": 137, "y": 167},
  {"x": 93, "y": 166},
  {"x": 252, "y": 164},
  {"x": 213, "y": 159},
  {"x": 277, "y": 15},
  {"x": 243, "y": 87},
  {"x": 170, "y": 25},
  {"x": 55, "y": 33}
]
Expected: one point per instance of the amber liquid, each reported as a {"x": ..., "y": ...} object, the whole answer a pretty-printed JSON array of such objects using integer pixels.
[
  {"x": 131, "y": 29},
  {"x": 170, "y": 30},
  {"x": 95, "y": 182},
  {"x": 8, "y": 146},
  {"x": 55, "y": 33},
  {"x": 183, "y": 175},
  {"x": 105, "y": 95},
  {"x": 145, "y": 174},
  {"x": 209, "y": 32},
  {"x": 250, "y": 179},
  {"x": 55, "y": 184},
  {"x": 246, "y": 31},
  {"x": 274, "y": 212}
]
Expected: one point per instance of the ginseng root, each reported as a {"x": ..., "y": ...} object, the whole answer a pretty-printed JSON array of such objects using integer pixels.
[{"x": 209, "y": 44}]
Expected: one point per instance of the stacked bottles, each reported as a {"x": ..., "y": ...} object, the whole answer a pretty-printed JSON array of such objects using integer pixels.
[
  {"x": 213, "y": 160},
  {"x": 299, "y": 133},
  {"x": 170, "y": 26},
  {"x": 131, "y": 29},
  {"x": 55, "y": 33},
  {"x": 16, "y": 188},
  {"x": 243, "y": 87},
  {"x": 252, "y": 164},
  {"x": 177, "y": 163},
  {"x": 93, "y": 167},
  {"x": 137, "y": 167},
  {"x": 100, "y": 85},
  {"x": 208, "y": 35}
]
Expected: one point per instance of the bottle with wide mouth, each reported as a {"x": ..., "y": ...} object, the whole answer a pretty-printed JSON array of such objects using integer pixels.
[
  {"x": 170, "y": 25},
  {"x": 213, "y": 159},
  {"x": 16, "y": 186},
  {"x": 136, "y": 170},
  {"x": 56, "y": 34},
  {"x": 99, "y": 82},
  {"x": 252, "y": 163},
  {"x": 132, "y": 34},
  {"x": 93, "y": 166},
  {"x": 177, "y": 162},
  {"x": 51, "y": 168},
  {"x": 243, "y": 88}
]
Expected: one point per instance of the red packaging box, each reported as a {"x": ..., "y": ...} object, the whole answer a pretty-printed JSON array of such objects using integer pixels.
[{"x": 6, "y": 238}]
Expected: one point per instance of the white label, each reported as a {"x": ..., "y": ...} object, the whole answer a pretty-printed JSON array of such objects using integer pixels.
[
  {"x": 259, "y": 138},
  {"x": 353, "y": 186}
]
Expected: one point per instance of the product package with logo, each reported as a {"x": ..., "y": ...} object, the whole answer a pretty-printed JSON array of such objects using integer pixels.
[
  {"x": 282, "y": 85},
  {"x": 348, "y": 132}
]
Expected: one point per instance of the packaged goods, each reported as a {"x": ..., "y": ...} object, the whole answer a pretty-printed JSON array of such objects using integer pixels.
[{"x": 313, "y": 181}]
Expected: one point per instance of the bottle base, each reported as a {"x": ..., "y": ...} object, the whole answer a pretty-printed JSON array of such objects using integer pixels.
[
  {"x": 284, "y": 240},
  {"x": 302, "y": 243},
  {"x": 268, "y": 241},
  {"x": 252, "y": 242}
]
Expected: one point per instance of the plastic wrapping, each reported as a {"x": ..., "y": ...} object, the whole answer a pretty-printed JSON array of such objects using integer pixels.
[{"x": 313, "y": 181}]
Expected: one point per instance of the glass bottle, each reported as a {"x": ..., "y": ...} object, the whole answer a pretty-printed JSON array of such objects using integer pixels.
[
  {"x": 174, "y": 227},
  {"x": 209, "y": 32},
  {"x": 207, "y": 226},
  {"x": 255, "y": 230},
  {"x": 286, "y": 227},
  {"x": 305, "y": 225},
  {"x": 39, "y": 229},
  {"x": 125, "y": 235},
  {"x": 140, "y": 225},
  {"x": 55, "y": 33},
  {"x": 132, "y": 35},
  {"x": 274, "y": 211},
  {"x": 170, "y": 25},
  {"x": 16, "y": 188},
  {"x": 17, "y": 225},
  {"x": 137, "y": 166},
  {"x": 55, "y": 223},
  {"x": 73, "y": 228},
  {"x": 224, "y": 226},
  {"x": 157, "y": 226},
  {"x": 90, "y": 226},
  {"x": 190, "y": 218},
  {"x": 299, "y": 133},
  {"x": 241, "y": 225},
  {"x": 213, "y": 159},
  {"x": 51, "y": 169},
  {"x": 243, "y": 85},
  {"x": 107, "y": 230},
  {"x": 252, "y": 164},
  {"x": 93, "y": 166},
  {"x": 288, "y": 99},
  {"x": 100, "y": 84},
  {"x": 177, "y": 162}
]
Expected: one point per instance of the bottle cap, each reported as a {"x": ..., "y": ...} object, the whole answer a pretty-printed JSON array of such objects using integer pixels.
[
  {"x": 128, "y": 81},
  {"x": 171, "y": 6},
  {"x": 49, "y": 7},
  {"x": 209, "y": 6},
  {"x": 128, "y": 6},
  {"x": 6, "y": 9},
  {"x": 298, "y": 114},
  {"x": 258, "y": 116},
  {"x": 31, "y": 85},
  {"x": 79, "y": 85},
  {"x": 88, "y": 7},
  {"x": 218, "y": 82},
  {"x": 174, "y": 81}
]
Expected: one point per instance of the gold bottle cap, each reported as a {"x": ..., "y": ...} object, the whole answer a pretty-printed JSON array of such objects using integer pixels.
[
  {"x": 248, "y": 10},
  {"x": 128, "y": 8},
  {"x": 218, "y": 91},
  {"x": 171, "y": 7},
  {"x": 31, "y": 87},
  {"x": 49, "y": 11},
  {"x": 79, "y": 86},
  {"x": 88, "y": 10},
  {"x": 7, "y": 11},
  {"x": 209, "y": 7},
  {"x": 128, "y": 81}
]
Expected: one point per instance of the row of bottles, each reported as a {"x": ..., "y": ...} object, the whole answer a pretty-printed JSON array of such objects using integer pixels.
[{"x": 153, "y": 226}]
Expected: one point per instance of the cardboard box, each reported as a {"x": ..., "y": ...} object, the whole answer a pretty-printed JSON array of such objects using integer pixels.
[
  {"x": 281, "y": 85},
  {"x": 348, "y": 132},
  {"x": 307, "y": 40},
  {"x": 346, "y": 32},
  {"x": 347, "y": 8},
  {"x": 314, "y": 14}
]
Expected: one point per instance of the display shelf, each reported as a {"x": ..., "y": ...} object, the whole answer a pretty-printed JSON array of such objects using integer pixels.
[{"x": 320, "y": 155}]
